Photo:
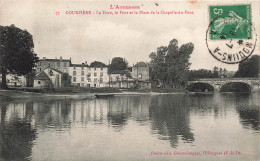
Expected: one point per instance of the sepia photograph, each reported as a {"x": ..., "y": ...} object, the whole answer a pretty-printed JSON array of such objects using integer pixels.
[{"x": 129, "y": 80}]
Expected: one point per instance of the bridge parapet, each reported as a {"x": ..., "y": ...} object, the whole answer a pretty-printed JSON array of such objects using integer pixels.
[{"x": 217, "y": 83}]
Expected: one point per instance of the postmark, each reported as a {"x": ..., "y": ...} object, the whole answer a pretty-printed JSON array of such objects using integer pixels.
[{"x": 230, "y": 36}]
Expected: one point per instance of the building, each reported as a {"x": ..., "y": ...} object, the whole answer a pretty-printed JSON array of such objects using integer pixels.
[
  {"x": 87, "y": 76},
  {"x": 119, "y": 79},
  {"x": 48, "y": 78},
  {"x": 13, "y": 80},
  {"x": 59, "y": 64},
  {"x": 141, "y": 71}
]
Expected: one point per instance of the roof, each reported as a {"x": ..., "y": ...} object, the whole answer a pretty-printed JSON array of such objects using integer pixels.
[
  {"x": 141, "y": 64},
  {"x": 118, "y": 72},
  {"x": 42, "y": 76},
  {"x": 56, "y": 70},
  {"x": 79, "y": 65},
  {"x": 68, "y": 60}
]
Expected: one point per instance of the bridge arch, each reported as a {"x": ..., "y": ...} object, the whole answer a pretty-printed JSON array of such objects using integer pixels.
[
  {"x": 236, "y": 87},
  {"x": 200, "y": 87}
]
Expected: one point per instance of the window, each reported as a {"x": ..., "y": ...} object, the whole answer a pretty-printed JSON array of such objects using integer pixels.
[
  {"x": 95, "y": 74},
  {"x": 51, "y": 73},
  {"x": 101, "y": 68},
  {"x": 82, "y": 72},
  {"x": 65, "y": 64},
  {"x": 89, "y": 79},
  {"x": 101, "y": 74},
  {"x": 58, "y": 64},
  {"x": 82, "y": 68},
  {"x": 140, "y": 75},
  {"x": 95, "y": 68},
  {"x": 40, "y": 63},
  {"x": 82, "y": 84},
  {"x": 40, "y": 69},
  {"x": 89, "y": 68},
  {"x": 82, "y": 79},
  {"x": 74, "y": 79},
  {"x": 39, "y": 82},
  {"x": 74, "y": 67},
  {"x": 74, "y": 72},
  {"x": 95, "y": 80},
  {"x": 89, "y": 74},
  {"x": 101, "y": 80}
]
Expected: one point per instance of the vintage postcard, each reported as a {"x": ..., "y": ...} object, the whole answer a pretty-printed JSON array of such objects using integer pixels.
[{"x": 129, "y": 80}]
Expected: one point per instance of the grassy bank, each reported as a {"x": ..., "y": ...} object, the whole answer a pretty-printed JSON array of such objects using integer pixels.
[
  {"x": 156, "y": 90},
  {"x": 74, "y": 90},
  {"x": 67, "y": 90}
]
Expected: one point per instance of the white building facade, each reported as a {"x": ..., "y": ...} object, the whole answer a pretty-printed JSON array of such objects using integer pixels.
[{"x": 85, "y": 76}]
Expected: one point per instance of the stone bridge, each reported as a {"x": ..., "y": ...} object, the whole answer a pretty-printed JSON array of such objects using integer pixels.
[{"x": 217, "y": 83}]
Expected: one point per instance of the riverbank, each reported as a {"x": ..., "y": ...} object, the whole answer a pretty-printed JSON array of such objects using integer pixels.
[{"x": 75, "y": 92}]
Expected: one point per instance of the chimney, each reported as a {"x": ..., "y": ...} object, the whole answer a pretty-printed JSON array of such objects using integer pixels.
[
  {"x": 44, "y": 58},
  {"x": 61, "y": 58},
  {"x": 86, "y": 63}
]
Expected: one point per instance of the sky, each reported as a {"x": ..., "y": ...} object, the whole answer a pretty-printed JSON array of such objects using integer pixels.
[{"x": 101, "y": 37}]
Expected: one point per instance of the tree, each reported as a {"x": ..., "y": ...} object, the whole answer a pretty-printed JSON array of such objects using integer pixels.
[
  {"x": 201, "y": 73},
  {"x": 249, "y": 67},
  {"x": 170, "y": 64},
  {"x": 97, "y": 64},
  {"x": 215, "y": 72},
  {"x": 118, "y": 64},
  {"x": 16, "y": 52},
  {"x": 65, "y": 80}
]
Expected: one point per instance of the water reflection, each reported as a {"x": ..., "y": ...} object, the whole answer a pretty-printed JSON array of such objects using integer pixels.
[
  {"x": 16, "y": 134},
  {"x": 169, "y": 118}
]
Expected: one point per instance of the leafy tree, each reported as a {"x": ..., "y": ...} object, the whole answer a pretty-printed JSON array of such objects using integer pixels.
[
  {"x": 170, "y": 64},
  {"x": 215, "y": 72},
  {"x": 118, "y": 64},
  {"x": 201, "y": 73},
  {"x": 249, "y": 67},
  {"x": 97, "y": 64},
  {"x": 65, "y": 80},
  {"x": 16, "y": 52}
]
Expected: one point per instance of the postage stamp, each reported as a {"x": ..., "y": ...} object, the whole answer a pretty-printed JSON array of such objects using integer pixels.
[
  {"x": 230, "y": 22},
  {"x": 230, "y": 36}
]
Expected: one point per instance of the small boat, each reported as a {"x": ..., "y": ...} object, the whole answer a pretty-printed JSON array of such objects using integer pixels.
[{"x": 104, "y": 95}]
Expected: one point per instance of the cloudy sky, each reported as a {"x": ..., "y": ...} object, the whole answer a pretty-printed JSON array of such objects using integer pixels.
[{"x": 102, "y": 37}]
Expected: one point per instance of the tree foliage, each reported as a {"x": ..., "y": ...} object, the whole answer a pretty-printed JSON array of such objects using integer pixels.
[
  {"x": 170, "y": 64},
  {"x": 97, "y": 64},
  {"x": 65, "y": 80},
  {"x": 249, "y": 67},
  {"x": 202, "y": 73},
  {"x": 118, "y": 64},
  {"x": 16, "y": 52}
]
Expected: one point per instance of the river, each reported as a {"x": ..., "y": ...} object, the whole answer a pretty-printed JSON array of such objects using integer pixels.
[{"x": 132, "y": 127}]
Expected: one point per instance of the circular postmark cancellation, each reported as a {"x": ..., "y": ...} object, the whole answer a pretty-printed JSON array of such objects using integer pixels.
[{"x": 230, "y": 36}]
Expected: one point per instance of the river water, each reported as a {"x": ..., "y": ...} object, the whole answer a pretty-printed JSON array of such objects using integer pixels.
[{"x": 132, "y": 127}]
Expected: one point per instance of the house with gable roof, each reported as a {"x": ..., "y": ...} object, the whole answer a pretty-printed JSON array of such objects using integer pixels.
[{"x": 48, "y": 78}]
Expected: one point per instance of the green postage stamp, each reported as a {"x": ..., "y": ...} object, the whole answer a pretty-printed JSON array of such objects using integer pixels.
[{"x": 230, "y": 22}]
